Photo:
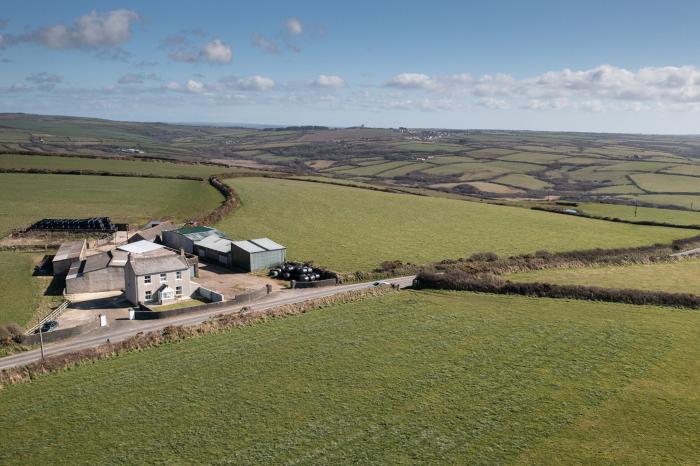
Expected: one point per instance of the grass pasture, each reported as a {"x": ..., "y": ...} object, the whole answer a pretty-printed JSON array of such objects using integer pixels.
[
  {"x": 673, "y": 277},
  {"x": 349, "y": 229},
  {"x": 660, "y": 183},
  {"x": 627, "y": 212},
  {"x": 416, "y": 377},
  {"x": 31, "y": 197},
  {"x": 113, "y": 166}
]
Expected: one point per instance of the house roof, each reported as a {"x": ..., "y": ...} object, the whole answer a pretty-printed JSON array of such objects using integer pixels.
[
  {"x": 215, "y": 243},
  {"x": 69, "y": 250},
  {"x": 152, "y": 232},
  {"x": 268, "y": 244},
  {"x": 140, "y": 247},
  {"x": 150, "y": 265},
  {"x": 247, "y": 246}
]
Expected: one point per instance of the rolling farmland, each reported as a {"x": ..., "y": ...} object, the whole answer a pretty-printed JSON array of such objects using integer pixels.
[
  {"x": 430, "y": 377},
  {"x": 362, "y": 228}
]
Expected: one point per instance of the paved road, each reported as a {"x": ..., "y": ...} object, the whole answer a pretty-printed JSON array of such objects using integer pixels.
[{"x": 121, "y": 330}]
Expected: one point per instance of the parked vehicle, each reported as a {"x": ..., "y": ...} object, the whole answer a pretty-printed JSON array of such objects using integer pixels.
[{"x": 49, "y": 326}]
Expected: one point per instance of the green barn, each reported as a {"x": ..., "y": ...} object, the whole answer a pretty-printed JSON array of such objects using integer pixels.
[{"x": 257, "y": 254}]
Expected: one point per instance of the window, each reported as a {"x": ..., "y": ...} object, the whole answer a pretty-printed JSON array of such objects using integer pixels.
[
  {"x": 163, "y": 277},
  {"x": 148, "y": 295},
  {"x": 147, "y": 279},
  {"x": 178, "y": 291},
  {"x": 178, "y": 276}
]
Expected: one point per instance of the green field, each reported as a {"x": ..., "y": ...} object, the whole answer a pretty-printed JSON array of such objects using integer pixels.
[
  {"x": 27, "y": 198},
  {"x": 348, "y": 229},
  {"x": 627, "y": 212},
  {"x": 418, "y": 377},
  {"x": 114, "y": 166},
  {"x": 659, "y": 183},
  {"x": 22, "y": 294},
  {"x": 674, "y": 277}
]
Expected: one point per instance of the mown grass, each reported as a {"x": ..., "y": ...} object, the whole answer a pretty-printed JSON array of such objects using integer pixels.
[
  {"x": 27, "y": 198},
  {"x": 627, "y": 212},
  {"x": 23, "y": 296},
  {"x": 428, "y": 377},
  {"x": 673, "y": 277},
  {"x": 115, "y": 166},
  {"x": 348, "y": 229}
]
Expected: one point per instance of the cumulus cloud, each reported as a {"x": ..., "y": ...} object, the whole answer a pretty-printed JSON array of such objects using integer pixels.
[
  {"x": 250, "y": 83},
  {"x": 217, "y": 51},
  {"x": 91, "y": 31},
  {"x": 331, "y": 81},
  {"x": 194, "y": 86},
  {"x": 412, "y": 81},
  {"x": 294, "y": 26},
  {"x": 44, "y": 78}
]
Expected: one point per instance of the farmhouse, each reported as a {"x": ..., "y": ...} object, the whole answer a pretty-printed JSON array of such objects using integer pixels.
[
  {"x": 185, "y": 237},
  {"x": 72, "y": 251},
  {"x": 257, "y": 254},
  {"x": 97, "y": 273},
  {"x": 159, "y": 276},
  {"x": 153, "y": 232}
]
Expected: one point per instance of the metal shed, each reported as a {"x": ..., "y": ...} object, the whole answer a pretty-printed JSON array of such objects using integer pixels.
[
  {"x": 185, "y": 237},
  {"x": 257, "y": 254}
]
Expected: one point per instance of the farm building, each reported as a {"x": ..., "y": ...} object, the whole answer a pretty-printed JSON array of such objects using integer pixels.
[
  {"x": 257, "y": 254},
  {"x": 101, "y": 272},
  {"x": 152, "y": 232},
  {"x": 185, "y": 237},
  {"x": 69, "y": 252},
  {"x": 214, "y": 249},
  {"x": 159, "y": 276}
]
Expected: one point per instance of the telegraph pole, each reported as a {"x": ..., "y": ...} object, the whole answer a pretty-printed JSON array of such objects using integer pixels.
[{"x": 41, "y": 342}]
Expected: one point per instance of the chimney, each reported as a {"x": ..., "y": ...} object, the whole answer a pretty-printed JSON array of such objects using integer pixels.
[{"x": 182, "y": 252}]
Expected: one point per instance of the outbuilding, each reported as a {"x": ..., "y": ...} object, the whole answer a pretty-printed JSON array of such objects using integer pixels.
[
  {"x": 185, "y": 237},
  {"x": 69, "y": 252},
  {"x": 257, "y": 254},
  {"x": 214, "y": 249},
  {"x": 97, "y": 273}
]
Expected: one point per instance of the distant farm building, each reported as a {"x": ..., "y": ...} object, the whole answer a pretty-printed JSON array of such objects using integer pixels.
[
  {"x": 214, "y": 249},
  {"x": 257, "y": 254},
  {"x": 185, "y": 237},
  {"x": 68, "y": 253},
  {"x": 152, "y": 232}
]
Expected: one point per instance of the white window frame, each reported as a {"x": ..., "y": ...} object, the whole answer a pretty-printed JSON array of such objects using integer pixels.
[
  {"x": 178, "y": 275},
  {"x": 164, "y": 278},
  {"x": 178, "y": 291},
  {"x": 148, "y": 295},
  {"x": 147, "y": 279}
]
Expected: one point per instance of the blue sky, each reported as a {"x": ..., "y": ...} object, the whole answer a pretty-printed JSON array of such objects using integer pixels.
[{"x": 580, "y": 66}]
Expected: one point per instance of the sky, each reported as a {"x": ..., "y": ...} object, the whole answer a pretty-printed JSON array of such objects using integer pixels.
[{"x": 608, "y": 66}]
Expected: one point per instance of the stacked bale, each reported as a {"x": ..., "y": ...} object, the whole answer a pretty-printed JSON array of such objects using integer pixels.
[{"x": 301, "y": 272}]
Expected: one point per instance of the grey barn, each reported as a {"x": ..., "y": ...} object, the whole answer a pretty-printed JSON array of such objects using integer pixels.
[{"x": 257, "y": 254}]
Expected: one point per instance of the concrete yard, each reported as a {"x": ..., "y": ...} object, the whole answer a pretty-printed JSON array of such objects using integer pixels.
[
  {"x": 78, "y": 313},
  {"x": 230, "y": 283}
]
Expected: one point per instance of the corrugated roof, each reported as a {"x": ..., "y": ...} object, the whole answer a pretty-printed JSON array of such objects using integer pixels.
[
  {"x": 69, "y": 250},
  {"x": 268, "y": 244},
  {"x": 140, "y": 247},
  {"x": 215, "y": 243},
  {"x": 96, "y": 262},
  {"x": 152, "y": 233},
  {"x": 119, "y": 258},
  {"x": 188, "y": 230},
  {"x": 247, "y": 246},
  {"x": 151, "y": 265}
]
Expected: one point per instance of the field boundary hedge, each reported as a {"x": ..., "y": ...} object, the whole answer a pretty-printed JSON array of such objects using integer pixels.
[
  {"x": 465, "y": 282},
  {"x": 57, "y": 171},
  {"x": 173, "y": 334},
  {"x": 617, "y": 219}
]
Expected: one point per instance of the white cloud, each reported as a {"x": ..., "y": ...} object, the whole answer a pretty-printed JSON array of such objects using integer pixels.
[
  {"x": 137, "y": 78},
  {"x": 93, "y": 30},
  {"x": 333, "y": 81},
  {"x": 412, "y": 81},
  {"x": 171, "y": 86},
  {"x": 250, "y": 83},
  {"x": 194, "y": 86},
  {"x": 294, "y": 26},
  {"x": 183, "y": 56},
  {"x": 217, "y": 51}
]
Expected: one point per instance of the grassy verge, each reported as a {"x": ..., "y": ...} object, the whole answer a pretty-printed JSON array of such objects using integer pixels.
[{"x": 432, "y": 377}]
